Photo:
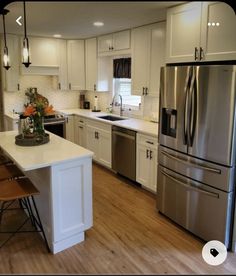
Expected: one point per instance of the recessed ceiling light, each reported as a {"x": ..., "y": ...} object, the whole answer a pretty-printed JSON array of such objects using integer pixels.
[
  {"x": 98, "y": 24},
  {"x": 57, "y": 35}
]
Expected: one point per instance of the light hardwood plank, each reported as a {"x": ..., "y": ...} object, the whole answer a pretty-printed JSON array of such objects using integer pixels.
[{"x": 128, "y": 237}]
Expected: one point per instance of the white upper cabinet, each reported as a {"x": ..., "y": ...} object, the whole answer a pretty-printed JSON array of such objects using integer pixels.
[
  {"x": 98, "y": 69},
  {"x": 148, "y": 55},
  {"x": 91, "y": 63},
  {"x": 114, "y": 43},
  {"x": 192, "y": 37},
  {"x": 43, "y": 51},
  {"x": 11, "y": 77},
  {"x": 76, "y": 64},
  {"x": 219, "y": 41},
  {"x": 140, "y": 59},
  {"x": 183, "y": 32},
  {"x": 63, "y": 70}
]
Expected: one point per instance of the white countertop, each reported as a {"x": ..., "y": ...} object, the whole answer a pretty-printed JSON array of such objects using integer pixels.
[
  {"x": 57, "y": 150},
  {"x": 141, "y": 126}
]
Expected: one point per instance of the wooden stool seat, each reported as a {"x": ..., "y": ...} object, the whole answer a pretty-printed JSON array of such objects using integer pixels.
[
  {"x": 16, "y": 189},
  {"x": 21, "y": 189},
  {"x": 9, "y": 171}
]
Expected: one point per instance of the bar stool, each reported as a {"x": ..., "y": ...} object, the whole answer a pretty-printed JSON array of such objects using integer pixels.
[
  {"x": 9, "y": 170},
  {"x": 23, "y": 189}
]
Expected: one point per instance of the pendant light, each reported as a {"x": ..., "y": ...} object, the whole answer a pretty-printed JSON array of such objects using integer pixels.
[
  {"x": 6, "y": 60},
  {"x": 26, "y": 55}
]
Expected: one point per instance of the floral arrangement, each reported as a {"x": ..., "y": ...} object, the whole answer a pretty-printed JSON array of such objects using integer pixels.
[{"x": 37, "y": 107}]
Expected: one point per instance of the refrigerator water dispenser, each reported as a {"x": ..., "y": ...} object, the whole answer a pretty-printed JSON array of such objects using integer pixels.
[{"x": 169, "y": 122}]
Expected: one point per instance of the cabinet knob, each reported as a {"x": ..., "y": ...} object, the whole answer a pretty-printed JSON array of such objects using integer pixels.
[
  {"x": 59, "y": 85},
  {"x": 196, "y": 53},
  {"x": 18, "y": 86},
  {"x": 147, "y": 154},
  {"x": 146, "y": 91},
  {"x": 143, "y": 90},
  {"x": 94, "y": 87},
  {"x": 80, "y": 127},
  {"x": 70, "y": 86}
]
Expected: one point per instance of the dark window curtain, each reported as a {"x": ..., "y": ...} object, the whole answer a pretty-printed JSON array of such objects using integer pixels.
[{"x": 122, "y": 68}]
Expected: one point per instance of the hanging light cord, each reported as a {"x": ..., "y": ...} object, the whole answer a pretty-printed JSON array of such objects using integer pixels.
[
  {"x": 4, "y": 30},
  {"x": 24, "y": 19}
]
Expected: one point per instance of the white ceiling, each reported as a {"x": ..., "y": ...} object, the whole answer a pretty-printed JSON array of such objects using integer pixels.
[{"x": 75, "y": 19}]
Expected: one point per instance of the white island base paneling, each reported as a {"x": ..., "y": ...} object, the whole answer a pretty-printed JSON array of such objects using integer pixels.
[{"x": 65, "y": 201}]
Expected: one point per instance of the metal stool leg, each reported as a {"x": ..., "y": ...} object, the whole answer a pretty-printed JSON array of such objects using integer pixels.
[
  {"x": 1, "y": 211},
  {"x": 40, "y": 224},
  {"x": 29, "y": 209}
]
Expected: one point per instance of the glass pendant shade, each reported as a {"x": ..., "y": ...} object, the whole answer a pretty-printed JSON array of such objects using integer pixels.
[
  {"x": 6, "y": 59},
  {"x": 26, "y": 54}
]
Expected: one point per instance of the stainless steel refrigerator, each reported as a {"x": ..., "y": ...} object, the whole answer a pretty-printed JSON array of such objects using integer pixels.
[{"x": 196, "y": 154}]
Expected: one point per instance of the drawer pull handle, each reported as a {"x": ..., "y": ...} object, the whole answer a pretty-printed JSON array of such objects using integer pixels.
[
  {"x": 199, "y": 166},
  {"x": 189, "y": 186},
  {"x": 150, "y": 142}
]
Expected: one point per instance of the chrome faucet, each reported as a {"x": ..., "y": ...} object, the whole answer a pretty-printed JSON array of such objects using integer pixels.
[{"x": 121, "y": 106}]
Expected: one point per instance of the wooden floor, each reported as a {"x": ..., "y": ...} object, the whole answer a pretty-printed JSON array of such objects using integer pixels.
[{"x": 128, "y": 237}]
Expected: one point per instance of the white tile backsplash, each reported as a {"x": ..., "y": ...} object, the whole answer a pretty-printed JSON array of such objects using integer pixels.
[
  {"x": 68, "y": 99},
  {"x": 45, "y": 86}
]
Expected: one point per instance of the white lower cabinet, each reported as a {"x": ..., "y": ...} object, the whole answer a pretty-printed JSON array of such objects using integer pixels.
[
  {"x": 98, "y": 138},
  {"x": 146, "y": 162},
  {"x": 70, "y": 128}
]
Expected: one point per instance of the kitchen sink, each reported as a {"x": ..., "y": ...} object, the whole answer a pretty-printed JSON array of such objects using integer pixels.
[{"x": 111, "y": 118}]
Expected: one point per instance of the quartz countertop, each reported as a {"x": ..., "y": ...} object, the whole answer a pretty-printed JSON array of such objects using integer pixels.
[
  {"x": 57, "y": 150},
  {"x": 139, "y": 125}
]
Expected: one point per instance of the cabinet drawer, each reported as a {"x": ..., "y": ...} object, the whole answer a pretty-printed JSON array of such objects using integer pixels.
[
  {"x": 96, "y": 124},
  {"x": 147, "y": 140},
  {"x": 80, "y": 120}
]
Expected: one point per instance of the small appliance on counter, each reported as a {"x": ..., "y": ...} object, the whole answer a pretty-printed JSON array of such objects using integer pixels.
[
  {"x": 95, "y": 107},
  {"x": 86, "y": 105}
]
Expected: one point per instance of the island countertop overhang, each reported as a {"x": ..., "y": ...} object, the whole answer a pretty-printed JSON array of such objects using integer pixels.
[{"x": 57, "y": 151}]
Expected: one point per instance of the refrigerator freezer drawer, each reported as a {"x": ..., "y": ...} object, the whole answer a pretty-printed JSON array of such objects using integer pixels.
[
  {"x": 217, "y": 176},
  {"x": 203, "y": 210}
]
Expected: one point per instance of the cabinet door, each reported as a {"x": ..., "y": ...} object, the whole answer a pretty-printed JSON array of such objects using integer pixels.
[
  {"x": 121, "y": 40},
  {"x": 76, "y": 64},
  {"x": 183, "y": 32},
  {"x": 91, "y": 63},
  {"x": 105, "y": 43},
  {"x": 43, "y": 51},
  {"x": 62, "y": 57},
  {"x": 142, "y": 165},
  {"x": 140, "y": 59},
  {"x": 70, "y": 129},
  {"x": 92, "y": 141},
  {"x": 157, "y": 57},
  {"x": 218, "y": 40},
  {"x": 81, "y": 139},
  {"x": 11, "y": 77},
  {"x": 104, "y": 138},
  {"x": 152, "y": 183}
]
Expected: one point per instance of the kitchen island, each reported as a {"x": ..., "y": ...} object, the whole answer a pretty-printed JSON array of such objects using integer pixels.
[{"x": 62, "y": 172}]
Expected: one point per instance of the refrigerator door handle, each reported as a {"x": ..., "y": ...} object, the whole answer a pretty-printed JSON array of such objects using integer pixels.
[
  {"x": 199, "y": 166},
  {"x": 190, "y": 186},
  {"x": 186, "y": 104},
  {"x": 193, "y": 107}
]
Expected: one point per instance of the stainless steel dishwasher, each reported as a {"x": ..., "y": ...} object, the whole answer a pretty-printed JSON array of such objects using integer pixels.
[{"x": 124, "y": 152}]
